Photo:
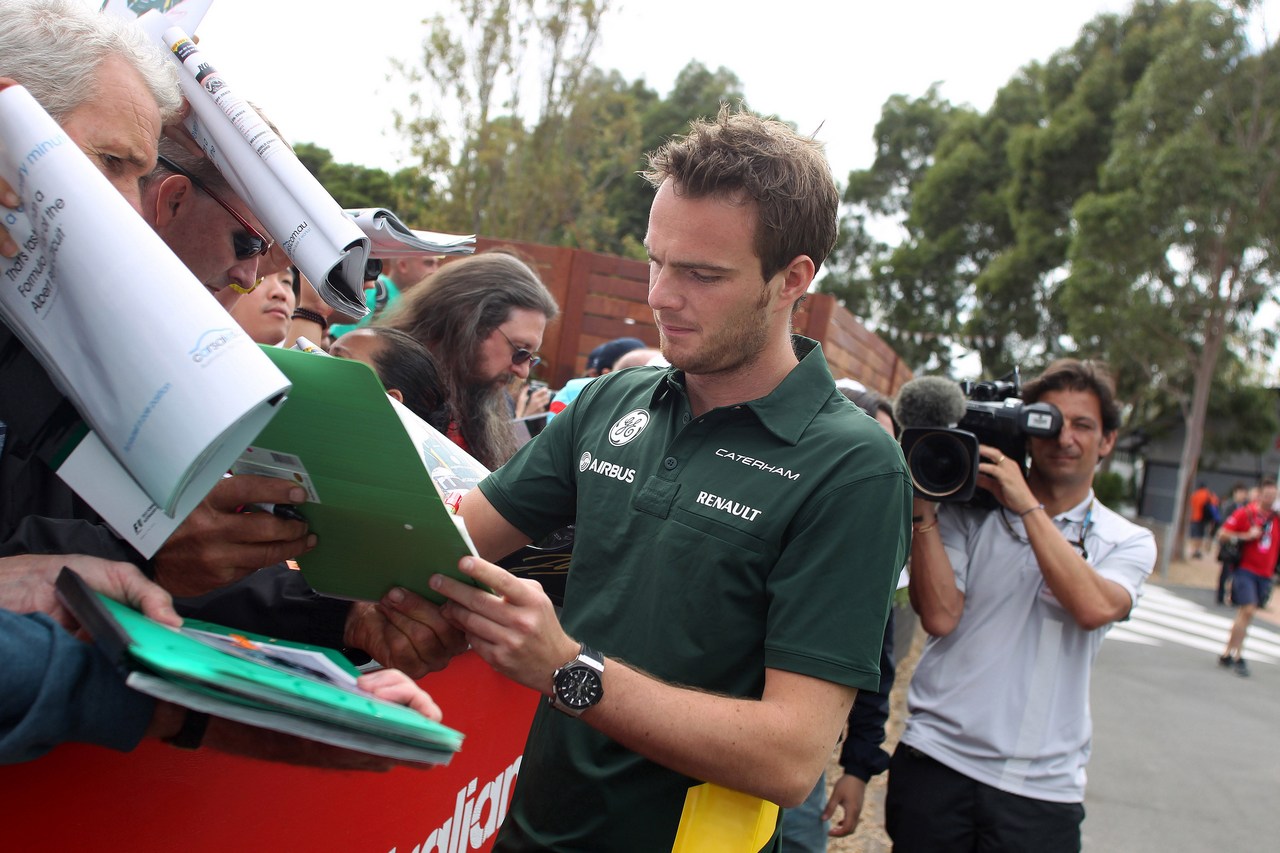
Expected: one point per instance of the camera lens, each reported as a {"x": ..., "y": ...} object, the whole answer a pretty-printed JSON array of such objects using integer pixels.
[{"x": 940, "y": 464}]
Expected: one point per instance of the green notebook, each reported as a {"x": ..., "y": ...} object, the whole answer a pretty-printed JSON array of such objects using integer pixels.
[
  {"x": 379, "y": 519},
  {"x": 296, "y": 688}
]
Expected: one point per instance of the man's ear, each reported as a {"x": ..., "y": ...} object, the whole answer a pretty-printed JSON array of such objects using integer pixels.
[
  {"x": 171, "y": 195},
  {"x": 796, "y": 278},
  {"x": 395, "y": 392}
]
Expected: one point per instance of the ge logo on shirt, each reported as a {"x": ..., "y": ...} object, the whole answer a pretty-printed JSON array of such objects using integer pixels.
[
  {"x": 628, "y": 427},
  {"x": 585, "y": 462}
]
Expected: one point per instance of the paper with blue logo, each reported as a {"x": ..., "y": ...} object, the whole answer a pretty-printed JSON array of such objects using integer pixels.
[{"x": 171, "y": 388}]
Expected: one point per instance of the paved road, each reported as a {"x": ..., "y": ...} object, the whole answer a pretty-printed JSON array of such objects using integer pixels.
[{"x": 1186, "y": 755}]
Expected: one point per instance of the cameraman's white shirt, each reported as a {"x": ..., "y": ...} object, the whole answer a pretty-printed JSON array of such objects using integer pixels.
[{"x": 1004, "y": 698}]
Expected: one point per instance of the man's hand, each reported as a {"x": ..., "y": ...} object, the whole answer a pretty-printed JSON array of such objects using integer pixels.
[
  {"x": 404, "y": 631},
  {"x": 531, "y": 401},
  {"x": 392, "y": 685},
  {"x": 1003, "y": 477},
  {"x": 9, "y": 198},
  {"x": 217, "y": 544},
  {"x": 309, "y": 298},
  {"x": 27, "y": 586},
  {"x": 848, "y": 795},
  {"x": 514, "y": 628}
]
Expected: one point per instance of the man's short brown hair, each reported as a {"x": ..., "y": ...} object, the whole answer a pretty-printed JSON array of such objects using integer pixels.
[
  {"x": 741, "y": 156},
  {"x": 1070, "y": 374}
]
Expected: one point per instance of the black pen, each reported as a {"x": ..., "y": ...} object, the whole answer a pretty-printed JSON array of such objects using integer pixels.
[{"x": 286, "y": 511}]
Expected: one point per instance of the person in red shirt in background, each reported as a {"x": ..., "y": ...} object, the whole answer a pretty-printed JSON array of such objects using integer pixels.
[{"x": 1258, "y": 527}]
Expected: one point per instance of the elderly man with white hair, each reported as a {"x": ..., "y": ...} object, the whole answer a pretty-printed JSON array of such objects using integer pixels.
[{"x": 112, "y": 92}]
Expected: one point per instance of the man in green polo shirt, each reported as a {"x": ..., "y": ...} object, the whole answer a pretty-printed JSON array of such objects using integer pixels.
[{"x": 740, "y": 525}]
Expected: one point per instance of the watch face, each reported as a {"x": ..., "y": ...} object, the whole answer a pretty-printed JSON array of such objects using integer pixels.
[{"x": 578, "y": 686}]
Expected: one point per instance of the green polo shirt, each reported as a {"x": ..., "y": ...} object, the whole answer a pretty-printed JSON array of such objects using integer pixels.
[{"x": 766, "y": 534}]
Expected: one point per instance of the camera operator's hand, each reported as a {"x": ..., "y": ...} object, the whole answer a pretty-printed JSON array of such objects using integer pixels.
[
  {"x": 532, "y": 398},
  {"x": 1003, "y": 477}
]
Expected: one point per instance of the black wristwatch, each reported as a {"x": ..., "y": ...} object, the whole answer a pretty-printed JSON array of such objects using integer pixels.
[{"x": 579, "y": 684}]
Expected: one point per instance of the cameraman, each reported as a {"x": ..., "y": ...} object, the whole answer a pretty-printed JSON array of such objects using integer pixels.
[{"x": 1016, "y": 601}]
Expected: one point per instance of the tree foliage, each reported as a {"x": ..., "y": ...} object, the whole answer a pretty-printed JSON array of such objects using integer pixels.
[
  {"x": 1175, "y": 250},
  {"x": 500, "y": 173},
  {"x": 1116, "y": 201},
  {"x": 987, "y": 200},
  {"x": 562, "y": 171},
  {"x": 407, "y": 192}
]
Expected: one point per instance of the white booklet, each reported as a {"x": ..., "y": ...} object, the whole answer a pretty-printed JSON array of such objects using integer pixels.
[
  {"x": 166, "y": 380},
  {"x": 390, "y": 237},
  {"x": 324, "y": 243}
]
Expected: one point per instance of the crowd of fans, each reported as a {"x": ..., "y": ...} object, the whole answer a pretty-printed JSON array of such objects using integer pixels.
[{"x": 740, "y": 524}]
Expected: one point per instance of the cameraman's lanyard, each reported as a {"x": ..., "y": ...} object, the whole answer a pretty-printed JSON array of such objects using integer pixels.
[{"x": 1079, "y": 543}]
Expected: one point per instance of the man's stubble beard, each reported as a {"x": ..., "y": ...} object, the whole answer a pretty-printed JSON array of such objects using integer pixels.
[{"x": 741, "y": 340}]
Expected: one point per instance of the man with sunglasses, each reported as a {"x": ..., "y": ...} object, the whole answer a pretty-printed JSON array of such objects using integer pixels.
[
  {"x": 483, "y": 319},
  {"x": 1016, "y": 601},
  {"x": 211, "y": 231},
  {"x": 190, "y": 205}
]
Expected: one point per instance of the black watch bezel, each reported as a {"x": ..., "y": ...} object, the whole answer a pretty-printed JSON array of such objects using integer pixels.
[{"x": 579, "y": 684}]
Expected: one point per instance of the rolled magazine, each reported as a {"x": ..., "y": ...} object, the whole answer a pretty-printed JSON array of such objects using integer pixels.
[
  {"x": 389, "y": 237},
  {"x": 324, "y": 243},
  {"x": 170, "y": 386}
]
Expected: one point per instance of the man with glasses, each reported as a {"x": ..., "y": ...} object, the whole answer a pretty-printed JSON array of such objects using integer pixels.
[
  {"x": 1016, "y": 601},
  {"x": 112, "y": 91},
  {"x": 483, "y": 319},
  {"x": 189, "y": 204},
  {"x": 211, "y": 231}
]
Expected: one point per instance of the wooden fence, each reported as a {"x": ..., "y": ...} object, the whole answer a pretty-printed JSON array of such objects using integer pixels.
[{"x": 602, "y": 297}]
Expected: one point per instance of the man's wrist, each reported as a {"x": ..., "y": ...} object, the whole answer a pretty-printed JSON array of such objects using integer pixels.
[
  {"x": 1024, "y": 513},
  {"x": 924, "y": 522},
  {"x": 310, "y": 316},
  {"x": 166, "y": 720}
]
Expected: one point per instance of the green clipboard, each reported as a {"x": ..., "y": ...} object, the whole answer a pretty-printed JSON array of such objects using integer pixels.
[
  {"x": 377, "y": 515},
  {"x": 255, "y": 691}
]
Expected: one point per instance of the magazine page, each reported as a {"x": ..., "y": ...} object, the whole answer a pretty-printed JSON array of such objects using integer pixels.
[
  {"x": 324, "y": 243},
  {"x": 159, "y": 371},
  {"x": 389, "y": 236}
]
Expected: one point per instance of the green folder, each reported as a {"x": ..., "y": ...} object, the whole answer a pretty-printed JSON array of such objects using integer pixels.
[
  {"x": 173, "y": 665},
  {"x": 379, "y": 519}
]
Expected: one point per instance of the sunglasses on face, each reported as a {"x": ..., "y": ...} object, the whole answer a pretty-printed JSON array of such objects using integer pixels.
[
  {"x": 246, "y": 244},
  {"x": 519, "y": 355}
]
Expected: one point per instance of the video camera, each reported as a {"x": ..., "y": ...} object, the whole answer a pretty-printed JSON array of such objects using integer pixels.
[{"x": 942, "y": 458}]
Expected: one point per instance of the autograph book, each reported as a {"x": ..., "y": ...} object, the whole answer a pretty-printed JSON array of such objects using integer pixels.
[{"x": 293, "y": 688}]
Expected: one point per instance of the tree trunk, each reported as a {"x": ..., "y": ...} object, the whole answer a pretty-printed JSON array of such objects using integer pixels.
[{"x": 1193, "y": 438}]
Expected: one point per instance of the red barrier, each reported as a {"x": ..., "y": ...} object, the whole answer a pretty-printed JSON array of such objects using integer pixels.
[{"x": 161, "y": 798}]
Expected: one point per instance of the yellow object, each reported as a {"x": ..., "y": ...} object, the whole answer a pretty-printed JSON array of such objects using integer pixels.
[{"x": 720, "y": 820}]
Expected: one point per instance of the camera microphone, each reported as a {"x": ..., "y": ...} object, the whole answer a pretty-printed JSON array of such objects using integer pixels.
[{"x": 929, "y": 401}]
